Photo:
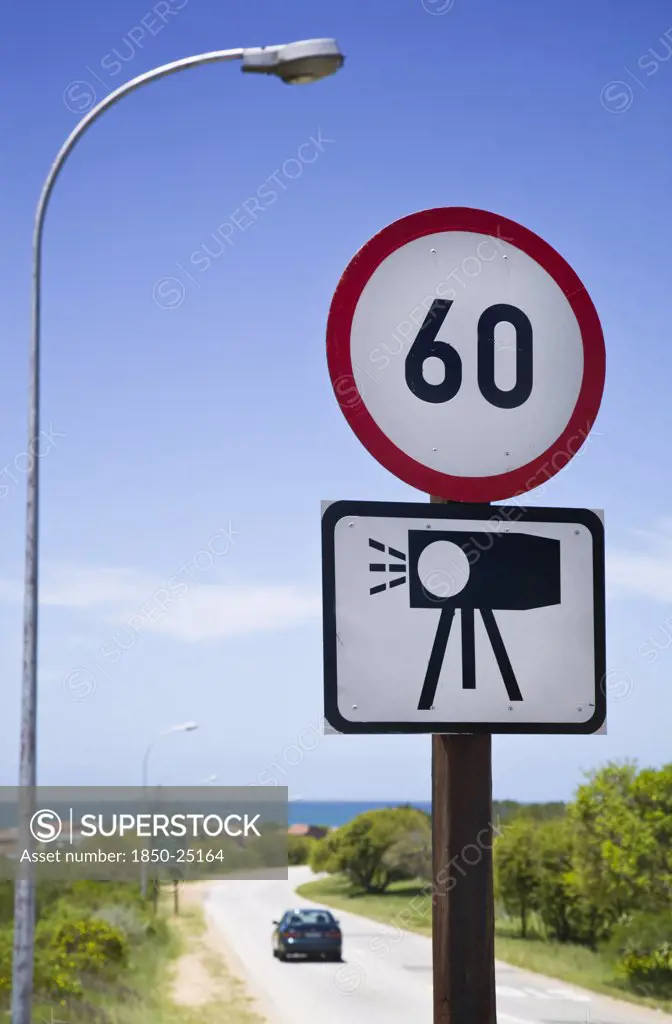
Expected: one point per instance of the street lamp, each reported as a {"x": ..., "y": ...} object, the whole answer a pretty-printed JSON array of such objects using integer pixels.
[
  {"x": 294, "y": 63},
  {"x": 184, "y": 727}
]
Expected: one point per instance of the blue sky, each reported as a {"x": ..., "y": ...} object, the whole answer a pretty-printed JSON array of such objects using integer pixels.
[{"x": 193, "y": 427}]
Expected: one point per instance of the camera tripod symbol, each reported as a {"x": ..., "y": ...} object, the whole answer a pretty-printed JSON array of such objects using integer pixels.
[
  {"x": 507, "y": 572},
  {"x": 467, "y": 616}
]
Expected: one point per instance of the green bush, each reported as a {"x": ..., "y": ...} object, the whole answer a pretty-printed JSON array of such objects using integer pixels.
[
  {"x": 6, "y": 934},
  {"x": 55, "y": 974},
  {"x": 67, "y": 950},
  {"x": 94, "y": 944},
  {"x": 132, "y": 925},
  {"x": 376, "y": 848},
  {"x": 48, "y": 893},
  {"x": 642, "y": 946},
  {"x": 91, "y": 895},
  {"x": 299, "y": 849},
  {"x": 83, "y": 939}
]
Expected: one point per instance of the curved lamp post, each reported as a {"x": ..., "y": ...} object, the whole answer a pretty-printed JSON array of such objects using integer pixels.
[
  {"x": 295, "y": 63},
  {"x": 184, "y": 727}
]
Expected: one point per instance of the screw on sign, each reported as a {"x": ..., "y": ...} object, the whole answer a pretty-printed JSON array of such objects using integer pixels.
[{"x": 485, "y": 351}]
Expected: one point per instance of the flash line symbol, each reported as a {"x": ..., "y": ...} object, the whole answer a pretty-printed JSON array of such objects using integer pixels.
[{"x": 399, "y": 566}]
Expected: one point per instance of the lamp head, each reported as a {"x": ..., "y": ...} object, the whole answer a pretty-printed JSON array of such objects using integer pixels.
[{"x": 296, "y": 63}]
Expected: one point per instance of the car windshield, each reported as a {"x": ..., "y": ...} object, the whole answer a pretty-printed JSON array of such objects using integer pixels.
[{"x": 311, "y": 917}]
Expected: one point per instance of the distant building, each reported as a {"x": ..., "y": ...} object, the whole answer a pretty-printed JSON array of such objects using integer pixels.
[{"x": 308, "y": 831}]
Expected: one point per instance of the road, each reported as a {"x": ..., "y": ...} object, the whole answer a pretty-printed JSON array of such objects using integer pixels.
[{"x": 386, "y": 973}]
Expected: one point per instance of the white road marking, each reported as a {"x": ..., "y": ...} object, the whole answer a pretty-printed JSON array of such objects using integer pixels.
[
  {"x": 510, "y": 993},
  {"x": 536, "y": 992},
  {"x": 567, "y": 993}
]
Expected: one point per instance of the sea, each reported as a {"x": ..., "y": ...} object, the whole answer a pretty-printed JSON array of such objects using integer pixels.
[
  {"x": 331, "y": 813},
  {"x": 339, "y": 812}
]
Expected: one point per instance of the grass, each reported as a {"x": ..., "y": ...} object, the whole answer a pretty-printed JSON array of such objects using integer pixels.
[
  {"x": 408, "y": 905},
  {"x": 148, "y": 993},
  {"x": 137, "y": 996},
  {"x": 402, "y": 898}
]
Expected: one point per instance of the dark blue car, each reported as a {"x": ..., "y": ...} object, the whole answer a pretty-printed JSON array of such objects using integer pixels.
[{"x": 307, "y": 933}]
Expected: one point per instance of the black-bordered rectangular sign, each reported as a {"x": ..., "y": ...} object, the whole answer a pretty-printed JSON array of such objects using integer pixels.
[{"x": 463, "y": 619}]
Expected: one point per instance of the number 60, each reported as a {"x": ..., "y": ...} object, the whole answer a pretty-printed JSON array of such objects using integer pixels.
[{"x": 425, "y": 346}]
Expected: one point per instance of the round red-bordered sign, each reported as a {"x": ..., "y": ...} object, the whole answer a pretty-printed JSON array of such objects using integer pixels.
[{"x": 466, "y": 354}]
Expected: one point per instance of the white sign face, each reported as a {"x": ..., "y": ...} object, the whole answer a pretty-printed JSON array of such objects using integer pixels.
[
  {"x": 469, "y": 362},
  {"x": 439, "y": 619},
  {"x": 467, "y": 435}
]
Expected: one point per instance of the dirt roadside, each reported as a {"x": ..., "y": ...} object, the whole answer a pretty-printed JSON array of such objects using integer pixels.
[{"x": 206, "y": 977}]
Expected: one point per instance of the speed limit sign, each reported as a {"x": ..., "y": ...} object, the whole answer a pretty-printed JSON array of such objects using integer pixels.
[{"x": 466, "y": 354}]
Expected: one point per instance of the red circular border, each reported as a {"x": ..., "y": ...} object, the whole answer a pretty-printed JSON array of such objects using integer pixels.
[{"x": 353, "y": 405}]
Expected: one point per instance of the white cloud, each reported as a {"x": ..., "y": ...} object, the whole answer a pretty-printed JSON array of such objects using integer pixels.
[
  {"x": 184, "y": 609},
  {"x": 211, "y": 611},
  {"x": 71, "y": 586},
  {"x": 646, "y": 572}
]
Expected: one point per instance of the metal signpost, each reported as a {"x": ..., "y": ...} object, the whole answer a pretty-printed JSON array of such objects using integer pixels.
[{"x": 468, "y": 358}]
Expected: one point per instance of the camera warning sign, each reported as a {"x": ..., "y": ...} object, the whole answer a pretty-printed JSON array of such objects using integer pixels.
[{"x": 449, "y": 618}]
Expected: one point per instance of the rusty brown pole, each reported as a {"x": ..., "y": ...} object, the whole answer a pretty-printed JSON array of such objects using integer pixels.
[{"x": 463, "y": 913}]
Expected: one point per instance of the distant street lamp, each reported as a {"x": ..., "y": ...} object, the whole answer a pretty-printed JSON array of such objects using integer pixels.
[{"x": 184, "y": 727}]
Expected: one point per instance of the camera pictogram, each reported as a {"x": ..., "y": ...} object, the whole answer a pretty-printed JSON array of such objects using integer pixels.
[{"x": 502, "y": 572}]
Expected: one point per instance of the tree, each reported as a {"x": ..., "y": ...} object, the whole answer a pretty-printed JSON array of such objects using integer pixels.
[
  {"x": 556, "y": 893},
  {"x": 623, "y": 822},
  {"x": 568, "y": 910},
  {"x": 606, "y": 827},
  {"x": 323, "y": 856},
  {"x": 653, "y": 799},
  {"x": 509, "y": 810},
  {"x": 517, "y": 870},
  {"x": 410, "y": 856},
  {"x": 376, "y": 848}
]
